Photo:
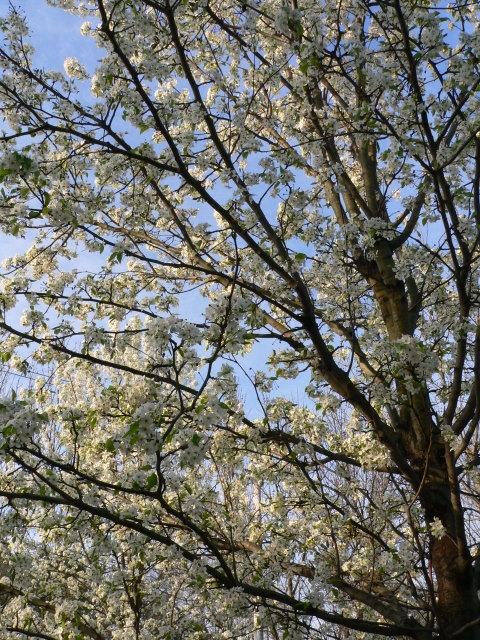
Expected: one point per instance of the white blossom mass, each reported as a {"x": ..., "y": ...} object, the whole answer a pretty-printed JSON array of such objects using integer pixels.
[{"x": 240, "y": 341}]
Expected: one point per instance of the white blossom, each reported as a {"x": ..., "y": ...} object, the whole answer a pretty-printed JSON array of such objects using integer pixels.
[{"x": 74, "y": 69}]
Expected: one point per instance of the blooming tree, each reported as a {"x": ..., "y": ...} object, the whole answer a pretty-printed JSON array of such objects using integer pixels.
[{"x": 247, "y": 321}]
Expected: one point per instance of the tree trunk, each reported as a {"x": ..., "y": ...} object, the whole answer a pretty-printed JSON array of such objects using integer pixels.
[
  {"x": 457, "y": 602},
  {"x": 457, "y": 597}
]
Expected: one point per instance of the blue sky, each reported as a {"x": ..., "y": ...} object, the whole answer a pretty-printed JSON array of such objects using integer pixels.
[{"x": 55, "y": 33}]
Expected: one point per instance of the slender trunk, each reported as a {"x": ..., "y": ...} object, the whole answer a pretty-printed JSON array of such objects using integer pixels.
[{"x": 259, "y": 632}]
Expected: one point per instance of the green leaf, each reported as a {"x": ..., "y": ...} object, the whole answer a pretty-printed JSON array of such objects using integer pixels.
[
  {"x": 152, "y": 481},
  {"x": 310, "y": 61},
  {"x": 24, "y": 161},
  {"x": 9, "y": 431},
  {"x": 116, "y": 256},
  {"x": 133, "y": 428},
  {"x": 132, "y": 432},
  {"x": 168, "y": 438},
  {"x": 196, "y": 439},
  {"x": 109, "y": 445},
  {"x": 304, "y": 65}
]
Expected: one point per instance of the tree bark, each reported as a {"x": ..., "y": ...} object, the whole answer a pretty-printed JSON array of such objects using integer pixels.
[{"x": 457, "y": 598}]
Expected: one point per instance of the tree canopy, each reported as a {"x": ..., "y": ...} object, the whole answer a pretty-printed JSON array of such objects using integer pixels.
[{"x": 246, "y": 326}]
